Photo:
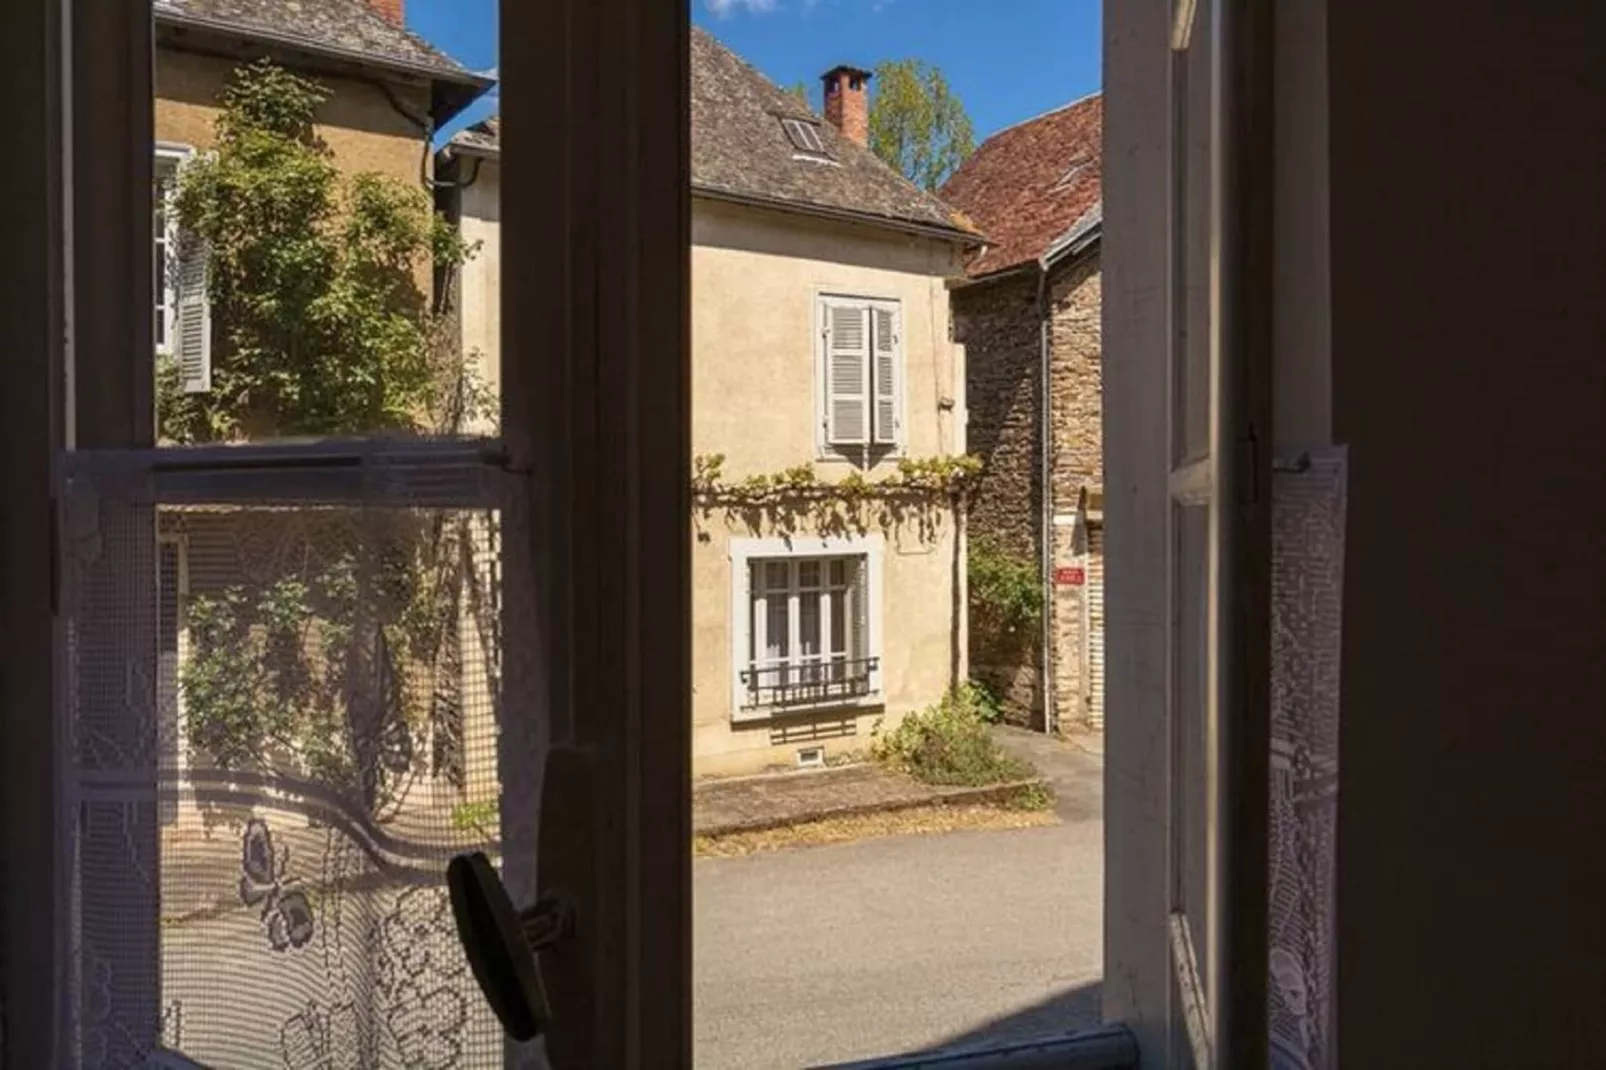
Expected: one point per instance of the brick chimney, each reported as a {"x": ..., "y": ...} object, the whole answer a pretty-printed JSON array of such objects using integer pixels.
[
  {"x": 393, "y": 10},
  {"x": 847, "y": 102}
]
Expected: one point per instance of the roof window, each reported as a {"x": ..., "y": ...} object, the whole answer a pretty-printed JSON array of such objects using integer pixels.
[{"x": 804, "y": 136}]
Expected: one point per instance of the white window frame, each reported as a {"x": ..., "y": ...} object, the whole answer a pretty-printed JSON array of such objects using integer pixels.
[
  {"x": 170, "y": 158},
  {"x": 867, "y": 454},
  {"x": 744, "y": 553}
]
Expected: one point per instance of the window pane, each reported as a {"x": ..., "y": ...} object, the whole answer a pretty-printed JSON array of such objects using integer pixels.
[
  {"x": 808, "y": 629},
  {"x": 319, "y": 686},
  {"x": 1191, "y": 386},
  {"x": 839, "y": 623},
  {"x": 839, "y": 572},
  {"x": 778, "y": 646},
  {"x": 1191, "y": 606},
  {"x": 808, "y": 575},
  {"x": 776, "y": 576}
]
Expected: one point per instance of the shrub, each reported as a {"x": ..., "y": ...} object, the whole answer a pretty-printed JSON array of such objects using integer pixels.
[
  {"x": 988, "y": 705},
  {"x": 1006, "y": 596},
  {"x": 950, "y": 744}
]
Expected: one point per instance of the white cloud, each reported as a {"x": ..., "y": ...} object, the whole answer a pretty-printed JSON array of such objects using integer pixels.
[{"x": 721, "y": 8}]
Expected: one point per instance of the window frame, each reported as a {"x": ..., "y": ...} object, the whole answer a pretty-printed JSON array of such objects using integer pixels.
[
  {"x": 868, "y": 454},
  {"x": 169, "y": 158},
  {"x": 746, "y": 552}
]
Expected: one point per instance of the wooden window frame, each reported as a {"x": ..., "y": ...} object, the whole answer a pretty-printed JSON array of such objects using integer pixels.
[{"x": 596, "y": 407}]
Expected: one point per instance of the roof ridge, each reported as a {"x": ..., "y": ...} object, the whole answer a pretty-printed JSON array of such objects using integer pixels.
[
  {"x": 1083, "y": 99},
  {"x": 861, "y": 162}
]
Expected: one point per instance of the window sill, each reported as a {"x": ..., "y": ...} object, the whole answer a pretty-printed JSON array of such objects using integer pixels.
[{"x": 864, "y": 460}]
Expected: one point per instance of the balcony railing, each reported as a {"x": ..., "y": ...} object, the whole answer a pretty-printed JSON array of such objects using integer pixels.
[{"x": 812, "y": 682}]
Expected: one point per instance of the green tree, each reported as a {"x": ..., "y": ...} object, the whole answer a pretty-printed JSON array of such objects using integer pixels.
[
  {"x": 917, "y": 125},
  {"x": 800, "y": 90},
  {"x": 321, "y": 327}
]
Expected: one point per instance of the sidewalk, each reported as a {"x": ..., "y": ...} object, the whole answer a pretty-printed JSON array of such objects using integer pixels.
[{"x": 751, "y": 804}]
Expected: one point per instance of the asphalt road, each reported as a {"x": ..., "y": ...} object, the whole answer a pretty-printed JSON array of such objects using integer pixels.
[{"x": 829, "y": 954}]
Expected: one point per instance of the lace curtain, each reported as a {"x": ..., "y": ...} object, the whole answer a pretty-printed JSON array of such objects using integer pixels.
[{"x": 281, "y": 721}]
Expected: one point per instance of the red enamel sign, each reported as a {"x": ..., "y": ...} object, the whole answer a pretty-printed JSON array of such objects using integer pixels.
[{"x": 1074, "y": 576}]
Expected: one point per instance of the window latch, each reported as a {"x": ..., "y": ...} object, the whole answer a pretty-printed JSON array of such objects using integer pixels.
[{"x": 533, "y": 964}]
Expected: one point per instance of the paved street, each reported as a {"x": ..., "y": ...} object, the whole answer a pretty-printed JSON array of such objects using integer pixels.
[{"x": 828, "y": 954}]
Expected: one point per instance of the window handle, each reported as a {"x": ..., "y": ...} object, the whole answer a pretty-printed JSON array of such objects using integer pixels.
[{"x": 533, "y": 963}]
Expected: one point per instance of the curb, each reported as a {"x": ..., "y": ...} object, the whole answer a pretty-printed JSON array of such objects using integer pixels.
[{"x": 987, "y": 793}]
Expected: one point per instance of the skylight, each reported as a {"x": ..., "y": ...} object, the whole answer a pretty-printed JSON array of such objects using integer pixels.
[{"x": 805, "y": 136}]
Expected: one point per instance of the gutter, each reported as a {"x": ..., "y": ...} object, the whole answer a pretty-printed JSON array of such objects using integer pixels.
[
  {"x": 185, "y": 20},
  {"x": 455, "y": 149},
  {"x": 1046, "y": 506},
  {"x": 845, "y": 215}
]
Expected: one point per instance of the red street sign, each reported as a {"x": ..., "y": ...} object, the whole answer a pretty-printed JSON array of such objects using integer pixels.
[{"x": 1074, "y": 576}]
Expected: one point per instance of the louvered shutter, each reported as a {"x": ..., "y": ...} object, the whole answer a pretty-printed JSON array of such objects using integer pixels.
[
  {"x": 192, "y": 315},
  {"x": 1095, "y": 626},
  {"x": 847, "y": 373},
  {"x": 888, "y": 342},
  {"x": 859, "y": 645}
]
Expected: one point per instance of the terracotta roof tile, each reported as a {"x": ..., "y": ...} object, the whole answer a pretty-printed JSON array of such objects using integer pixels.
[{"x": 1029, "y": 185}]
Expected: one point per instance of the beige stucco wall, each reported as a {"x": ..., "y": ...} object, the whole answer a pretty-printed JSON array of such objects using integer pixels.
[
  {"x": 755, "y": 278},
  {"x": 480, "y": 293},
  {"x": 363, "y": 129},
  {"x": 756, "y": 275}
]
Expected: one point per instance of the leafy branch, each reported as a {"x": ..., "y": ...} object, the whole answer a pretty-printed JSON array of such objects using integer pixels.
[{"x": 796, "y": 499}]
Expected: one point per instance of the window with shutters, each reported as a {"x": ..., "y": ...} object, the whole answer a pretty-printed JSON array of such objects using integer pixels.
[
  {"x": 183, "y": 313},
  {"x": 805, "y": 624},
  {"x": 861, "y": 378}
]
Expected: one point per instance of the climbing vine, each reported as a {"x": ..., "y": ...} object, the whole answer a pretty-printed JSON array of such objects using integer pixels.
[
  {"x": 344, "y": 669},
  {"x": 797, "y": 499},
  {"x": 313, "y": 277}
]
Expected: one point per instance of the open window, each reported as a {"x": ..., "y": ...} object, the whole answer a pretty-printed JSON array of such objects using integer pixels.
[{"x": 575, "y": 639}]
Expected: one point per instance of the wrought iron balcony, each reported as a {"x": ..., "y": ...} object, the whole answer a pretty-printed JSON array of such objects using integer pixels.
[{"x": 813, "y": 682}]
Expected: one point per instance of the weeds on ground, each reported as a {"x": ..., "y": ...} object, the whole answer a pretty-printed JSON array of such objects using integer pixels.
[
  {"x": 921, "y": 821},
  {"x": 949, "y": 744},
  {"x": 986, "y": 700}
]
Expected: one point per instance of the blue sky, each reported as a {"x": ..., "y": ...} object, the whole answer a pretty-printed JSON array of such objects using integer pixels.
[{"x": 1006, "y": 59}]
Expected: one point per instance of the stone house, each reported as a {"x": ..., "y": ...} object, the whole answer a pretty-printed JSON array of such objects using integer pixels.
[
  {"x": 821, "y": 342},
  {"x": 1028, "y": 316},
  {"x": 389, "y": 91}
]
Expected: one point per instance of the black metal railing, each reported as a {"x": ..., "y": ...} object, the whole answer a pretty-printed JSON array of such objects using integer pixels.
[{"x": 810, "y": 683}]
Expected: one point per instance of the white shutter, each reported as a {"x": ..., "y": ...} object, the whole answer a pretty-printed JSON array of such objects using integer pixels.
[
  {"x": 847, "y": 373},
  {"x": 192, "y": 315},
  {"x": 888, "y": 342},
  {"x": 1095, "y": 625},
  {"x": 859, "y": 603}
]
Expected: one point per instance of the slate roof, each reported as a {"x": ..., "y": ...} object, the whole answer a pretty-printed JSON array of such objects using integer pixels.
[
  {"x": 348, "y": 29},
  {"x": 1034, "y": 188},
  {"x": 481, "y": 139},
  {"x": 739, "y": 149}
]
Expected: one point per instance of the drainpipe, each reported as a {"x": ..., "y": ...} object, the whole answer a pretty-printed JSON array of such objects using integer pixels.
[{"x": 1046, "y": 519}]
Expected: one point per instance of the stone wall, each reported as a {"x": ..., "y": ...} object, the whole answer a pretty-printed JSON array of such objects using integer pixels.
[
  {"x": 999, "y": 325},
  {"x": 1077, "y": 388}
]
